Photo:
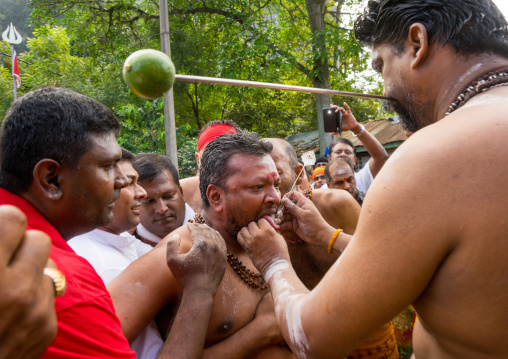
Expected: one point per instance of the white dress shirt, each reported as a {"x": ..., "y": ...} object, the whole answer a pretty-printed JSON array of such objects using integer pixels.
[{"x": 110, "y": 254}]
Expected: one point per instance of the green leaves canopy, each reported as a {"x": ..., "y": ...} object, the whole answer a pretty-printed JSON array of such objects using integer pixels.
[{"x": 307, "y": 43}]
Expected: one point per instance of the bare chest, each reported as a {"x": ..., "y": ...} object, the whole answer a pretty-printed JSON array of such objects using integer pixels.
[{"x": 234, "y": 307}]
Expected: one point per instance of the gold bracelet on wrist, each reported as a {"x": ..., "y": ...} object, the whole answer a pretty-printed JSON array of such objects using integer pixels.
[
  {"x": 361, "y": 131},
  {"x": 332, "y": 241}
]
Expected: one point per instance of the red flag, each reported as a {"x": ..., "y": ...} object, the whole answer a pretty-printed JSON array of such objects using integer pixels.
[{"x": 15, "y": 69}]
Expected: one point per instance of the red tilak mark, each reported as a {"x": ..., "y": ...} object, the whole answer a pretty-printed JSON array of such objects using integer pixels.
[{"x": 272, "y": 175}]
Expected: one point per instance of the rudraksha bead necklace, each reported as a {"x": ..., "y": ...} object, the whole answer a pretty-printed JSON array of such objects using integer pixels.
[
  {"x": 308, "y": 193},
  {"x": 253, "y": 280},
  {"x": 486, "y": 82}
]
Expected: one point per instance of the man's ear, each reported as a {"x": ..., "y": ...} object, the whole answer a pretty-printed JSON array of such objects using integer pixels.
[
  {"x": 48, "y": 176},
  {"x": 215, "y": 197},
  {"x": 196, "y": 155},
  {"x": 297, "y": 171},
  {"x": 418, "y": 41}
]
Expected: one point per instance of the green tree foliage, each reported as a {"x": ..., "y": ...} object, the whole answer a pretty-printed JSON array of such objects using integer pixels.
[
  {"x": 5, "y": 89},
  {"x": 49, "y": 62},
  {"x": 298, "y": 42}
]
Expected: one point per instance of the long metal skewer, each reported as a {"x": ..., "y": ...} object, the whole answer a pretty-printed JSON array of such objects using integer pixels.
[
  {"x": 296, "y": 180},
  {"x": 280, "y": 209},
  {"x": 268, "y": 85}
]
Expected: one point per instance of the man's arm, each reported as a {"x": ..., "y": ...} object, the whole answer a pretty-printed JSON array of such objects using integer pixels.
[
  {"x": 371, "y": 144},
  {"x": 360, "y": 292},
  {"x": 304, "y": 219},
  {"x": 338, "y": 208},
  {"x": 191, "y": 194},
  {"x": 28, "y": 324},
  {"x": 146, "y": 286},
  {"x": 199, "y": 272}
]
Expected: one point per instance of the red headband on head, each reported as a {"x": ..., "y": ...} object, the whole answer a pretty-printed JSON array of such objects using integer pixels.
[{"x": 212, "y": 133}]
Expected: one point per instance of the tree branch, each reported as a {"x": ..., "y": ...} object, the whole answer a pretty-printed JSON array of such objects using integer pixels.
[
  {"x": 207, "y": 10},
  {"x": 338, "y": 27}
]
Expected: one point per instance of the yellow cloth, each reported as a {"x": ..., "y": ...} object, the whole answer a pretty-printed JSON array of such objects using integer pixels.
[
  {"x": 380, "y": 345},
  {"x": 403, "y": 325}
]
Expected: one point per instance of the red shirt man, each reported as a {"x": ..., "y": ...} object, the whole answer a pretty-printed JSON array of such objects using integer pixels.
[
  {"x": 59, "y": 160},
  {"x": 85, "y": 308}
]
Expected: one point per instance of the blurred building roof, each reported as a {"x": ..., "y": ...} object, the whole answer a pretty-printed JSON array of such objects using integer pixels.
[{"x": 387, "y": 131}]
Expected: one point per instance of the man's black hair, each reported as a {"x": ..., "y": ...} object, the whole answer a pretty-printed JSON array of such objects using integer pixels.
[
  {"x": 214, "y": 169},
  {"x": 337, "y": 162},
  {"x": 52, "y": 123},
  {"x": 338, "y": 140},
  {"x": 321, "y": 159},
  {"x": 150, "y": 165},
  {"x": 469, "y": 26},
  {"x": 127, "y": 155}
]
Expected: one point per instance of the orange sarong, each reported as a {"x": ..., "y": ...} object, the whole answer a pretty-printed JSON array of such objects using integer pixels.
[{"x": 380, "y": 345}]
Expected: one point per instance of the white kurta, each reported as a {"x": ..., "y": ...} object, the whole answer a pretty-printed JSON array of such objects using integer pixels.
[{"x": 110, "y": 254}]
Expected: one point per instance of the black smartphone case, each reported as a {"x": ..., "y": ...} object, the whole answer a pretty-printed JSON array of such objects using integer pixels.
[{"x": 332, "y": 120}]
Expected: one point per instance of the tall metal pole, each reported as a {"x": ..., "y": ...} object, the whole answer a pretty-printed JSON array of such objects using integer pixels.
[
  {"x": 12, "y": 36},
  {"x": 269, "y": 85},
  {"x": 14, "y": 84},
  {"x": 169, "y": 104}
]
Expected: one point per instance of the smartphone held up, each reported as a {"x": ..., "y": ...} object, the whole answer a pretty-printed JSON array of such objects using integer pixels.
[{"x": 332, "y": 120}]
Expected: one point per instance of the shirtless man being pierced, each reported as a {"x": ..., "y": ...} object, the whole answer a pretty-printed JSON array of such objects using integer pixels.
[
  {"x": 239, "y": 184},
  {"x": 430, "y": 216}
]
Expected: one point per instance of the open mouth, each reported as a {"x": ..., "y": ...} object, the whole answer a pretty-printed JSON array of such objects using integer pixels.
[{"x": 271, "y": 218}]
